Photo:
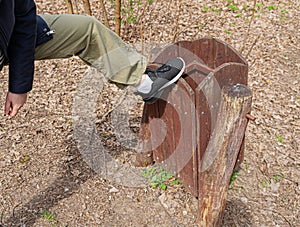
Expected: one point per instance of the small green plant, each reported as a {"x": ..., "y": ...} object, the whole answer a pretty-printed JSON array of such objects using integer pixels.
[
  {"x": 175, "y": 182},
  {"x": 233, "y": 7},
  {"x": 245, "y": 7},
  {"x": 48, "y": 216},
  {"x": 259, "y": 5},
  {"x": 204, "y": 9},
  {"x": 233, "y": 177},
  {"x": 278, "y": 177},
  {"x": 271, "y": 7},
  {"x": 216, "y": 10},
  {"x": 279, "y": 138},
  {"x": 24, "y": 159},
  {"x": 228, "y": 32},
  {"x": 158, "y": 177},
  {"x": 265, "y": 182}
]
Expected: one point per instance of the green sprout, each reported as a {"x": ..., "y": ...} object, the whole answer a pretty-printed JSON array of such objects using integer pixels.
[
  {"x": 259, "y": 5},
  {"x": 48, "y": 216},
  {"x": 233, "y": 7},
  {"x": 279, "y": 138},
  {"x": 158, "y": 177},
  {"x": 204, "y": 9},
  {"x": 271, "y": 7},
  {"x": 228, "y": 32},
  {"x": 233, "y": 177}
]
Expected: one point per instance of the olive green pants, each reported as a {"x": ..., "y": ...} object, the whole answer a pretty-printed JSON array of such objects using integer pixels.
[{"x": 98, "y": 46}]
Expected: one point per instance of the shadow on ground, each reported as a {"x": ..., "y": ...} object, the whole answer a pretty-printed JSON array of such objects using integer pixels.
[
  {"x": 29, "y": 213},
  {"x": 236, "y": 214}
]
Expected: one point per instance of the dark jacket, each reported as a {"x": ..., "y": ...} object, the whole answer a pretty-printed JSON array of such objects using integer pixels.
[{"x": 17, "y": 42}]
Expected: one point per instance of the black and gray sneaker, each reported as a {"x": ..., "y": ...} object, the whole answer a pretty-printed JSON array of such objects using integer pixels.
[{"x": 160, "y": 79}]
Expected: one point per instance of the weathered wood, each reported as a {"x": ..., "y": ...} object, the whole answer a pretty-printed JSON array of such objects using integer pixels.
[
  {"x": 144, "y": 157},
  {"x": 210, "y": 65},
  {"x": 178, "y": 151},
  {"x": 222, "y": 151}
]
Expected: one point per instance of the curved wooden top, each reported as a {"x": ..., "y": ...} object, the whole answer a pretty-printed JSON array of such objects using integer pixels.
[{"x": 208, "y": 51}]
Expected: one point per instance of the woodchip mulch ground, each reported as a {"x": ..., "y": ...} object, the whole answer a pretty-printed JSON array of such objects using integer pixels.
[{"x": 42, "y": 170}]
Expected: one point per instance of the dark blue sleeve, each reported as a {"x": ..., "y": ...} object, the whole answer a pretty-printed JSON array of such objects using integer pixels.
[{"x": 21, "y": 47}]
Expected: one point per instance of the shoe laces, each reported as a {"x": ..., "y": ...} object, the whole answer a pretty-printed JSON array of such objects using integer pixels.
[{"x": 162, "y": 69}]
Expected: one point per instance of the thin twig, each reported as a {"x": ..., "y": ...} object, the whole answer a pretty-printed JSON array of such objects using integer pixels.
[
  {"x": 249, "y": 27},
  {"x": 121, "y": 99},
  {"x": 253, "y": 44},
  {"x": 106, "y": 23},
  {"x": 142, "y": 37},
  {"x": 140, "y": 18},
  {"x": 75, "y": 6}
]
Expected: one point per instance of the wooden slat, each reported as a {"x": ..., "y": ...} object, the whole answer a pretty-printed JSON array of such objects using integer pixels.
[
  {"x": 166, "y": 115},
  {"x": 204, "y": 49},
  {"x": 225, "y": 53},
  {"x": 185, "y": 134},
  {"x": 231, "y": 73}
]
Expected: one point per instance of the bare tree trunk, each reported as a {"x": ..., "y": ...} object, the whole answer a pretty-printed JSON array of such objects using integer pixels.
[
  {"x": 118, "y": 17},
  {"x": 104, "y": 13},
  {"x": 75, "y": 6},
  {"x": 69, "y": 6},
  {"x": 87, "y": 7}
]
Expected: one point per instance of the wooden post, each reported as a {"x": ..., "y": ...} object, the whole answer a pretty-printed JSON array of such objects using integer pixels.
[{"x": 222, "y": 151}]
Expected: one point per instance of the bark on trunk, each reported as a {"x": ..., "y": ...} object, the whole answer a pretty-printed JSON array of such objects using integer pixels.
[
  {"x": 118, "y": 17},
  {"x": 69, "y": 6},
  {"x": 87, "y": 7},
  {"x": 221, "y": 154},
  {"x": 106, "y": 23}
]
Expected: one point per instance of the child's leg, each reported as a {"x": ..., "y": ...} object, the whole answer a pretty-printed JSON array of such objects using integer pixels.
[{"x": 94, "y": 43}]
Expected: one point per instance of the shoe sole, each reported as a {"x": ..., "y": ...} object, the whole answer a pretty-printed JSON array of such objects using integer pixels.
[{"x": 157, "y": 95}]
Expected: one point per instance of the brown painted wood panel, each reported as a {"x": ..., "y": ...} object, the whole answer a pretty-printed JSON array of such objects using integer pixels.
[
  {"x": 224, "y": 53},
  {"x": 212, "y": 64},
  {"x": 185, "y": 152}
]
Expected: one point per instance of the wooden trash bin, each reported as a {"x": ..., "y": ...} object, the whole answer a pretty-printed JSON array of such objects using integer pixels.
[{"x": 177, "y": 129}]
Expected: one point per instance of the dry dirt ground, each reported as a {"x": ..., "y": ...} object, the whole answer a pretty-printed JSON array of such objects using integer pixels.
[{"x": 44, "y": 181}]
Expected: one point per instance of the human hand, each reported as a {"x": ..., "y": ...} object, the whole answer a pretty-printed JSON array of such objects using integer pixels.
[{"x": 13, "y": 103}]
